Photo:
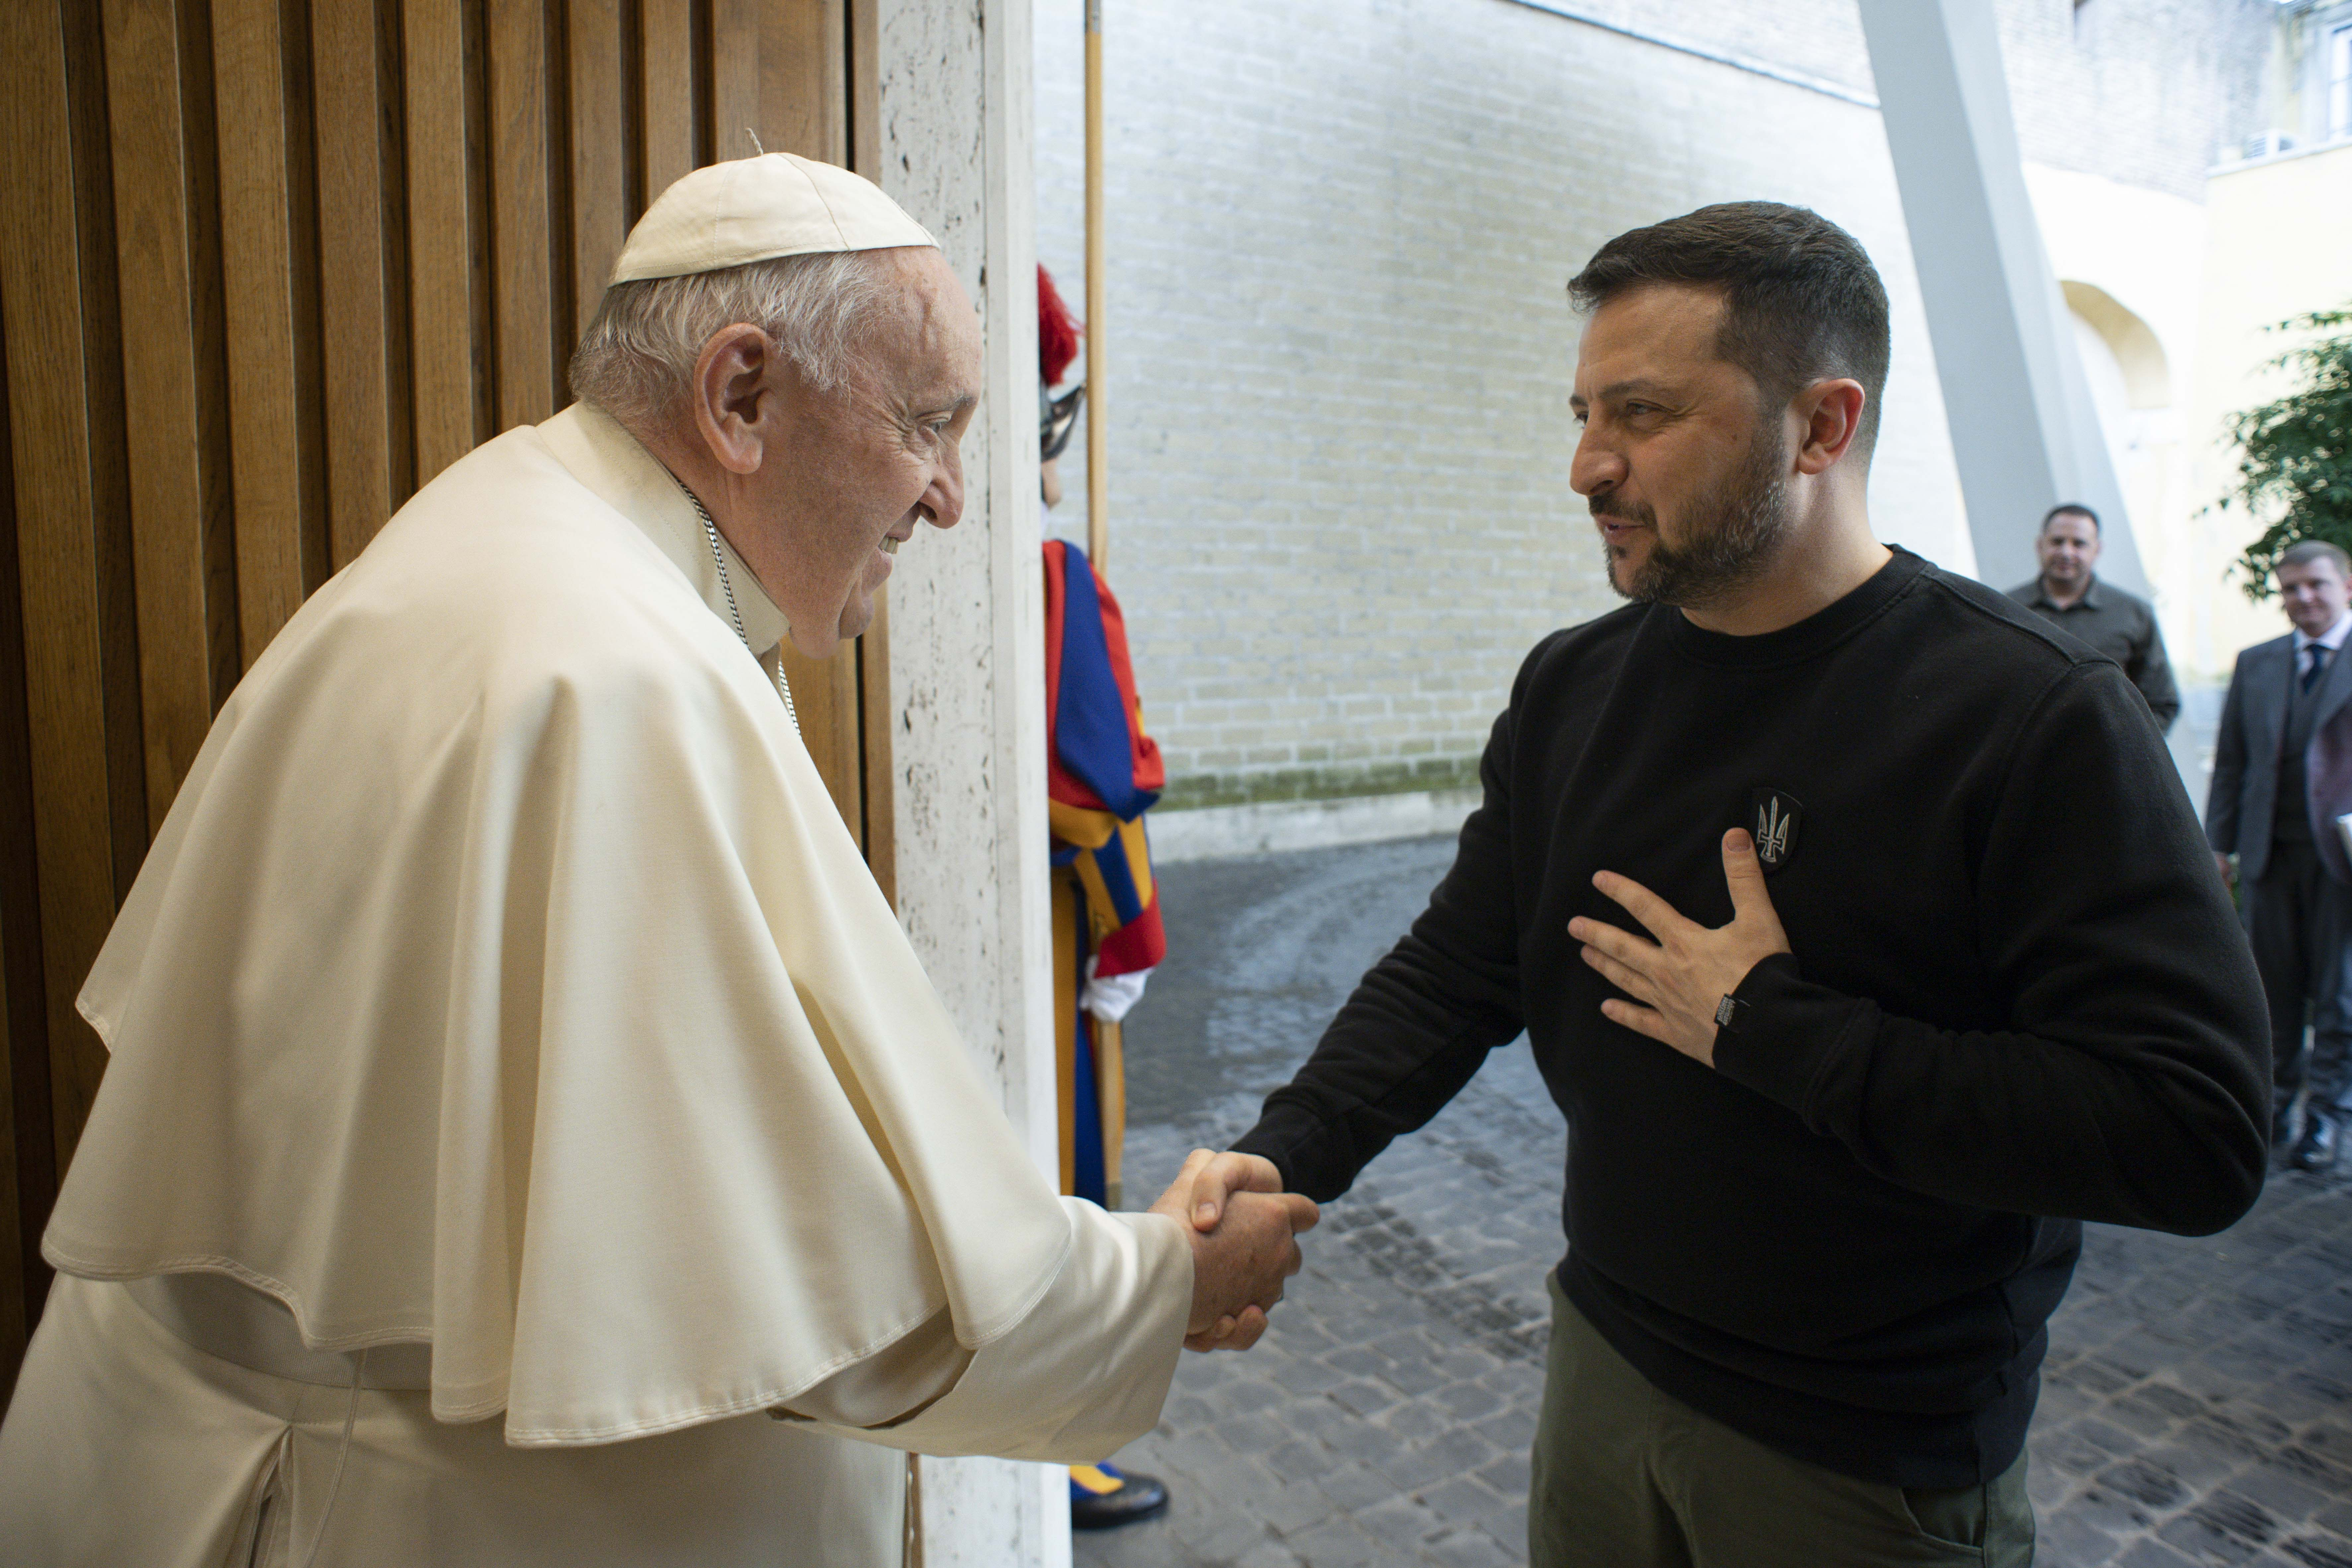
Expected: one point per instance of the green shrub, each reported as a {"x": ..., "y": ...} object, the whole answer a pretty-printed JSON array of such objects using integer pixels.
[{"x": 2294, "y": 460}]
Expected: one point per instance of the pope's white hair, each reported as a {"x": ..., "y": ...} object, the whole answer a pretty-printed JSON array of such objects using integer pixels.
[{"x": 635, "y": 358}]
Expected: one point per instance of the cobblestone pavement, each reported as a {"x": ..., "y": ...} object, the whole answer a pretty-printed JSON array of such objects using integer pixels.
[{"x": 2196, "y": 1406}]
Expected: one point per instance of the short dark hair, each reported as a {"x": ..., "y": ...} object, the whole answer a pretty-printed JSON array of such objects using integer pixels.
[
  {"x": 1802, "y": 301},
  {"x": 2070, "y": 509},
  {"x": 2305, "y": 552}
]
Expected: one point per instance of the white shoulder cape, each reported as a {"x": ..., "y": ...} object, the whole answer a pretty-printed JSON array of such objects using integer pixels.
[{"x": 503, "y": 978}]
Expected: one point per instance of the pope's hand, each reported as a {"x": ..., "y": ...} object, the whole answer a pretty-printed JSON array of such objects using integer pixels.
[
  {"x": 1214, "y": 1181},
  {"x": 1239, "y": 1265},
  {"x": 1678, "y": 981}
]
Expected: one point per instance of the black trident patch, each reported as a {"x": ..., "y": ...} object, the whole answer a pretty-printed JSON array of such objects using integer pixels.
[{"x": 1774, "y": 823}]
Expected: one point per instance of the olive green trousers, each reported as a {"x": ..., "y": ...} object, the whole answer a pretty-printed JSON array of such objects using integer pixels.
[{"x": 1626, "y": 1478}]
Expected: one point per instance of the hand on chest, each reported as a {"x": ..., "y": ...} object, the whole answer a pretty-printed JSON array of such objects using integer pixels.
[
  {"x": 1667, "y": 835},
  {"x": 1863, "y": 871}
]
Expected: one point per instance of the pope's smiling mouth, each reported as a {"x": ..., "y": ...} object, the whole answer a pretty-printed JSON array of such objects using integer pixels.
[{"x": 890, "y": 542}]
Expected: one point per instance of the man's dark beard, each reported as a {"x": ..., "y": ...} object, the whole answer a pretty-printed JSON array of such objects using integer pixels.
[{"x": 1736, "y": 530}]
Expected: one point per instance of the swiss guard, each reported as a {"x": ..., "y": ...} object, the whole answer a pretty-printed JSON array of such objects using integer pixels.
[{"x": 1102, "y": 774}]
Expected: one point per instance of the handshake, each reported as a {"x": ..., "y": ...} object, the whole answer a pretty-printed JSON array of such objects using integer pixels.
[{"x": 1242, "y": 1227}]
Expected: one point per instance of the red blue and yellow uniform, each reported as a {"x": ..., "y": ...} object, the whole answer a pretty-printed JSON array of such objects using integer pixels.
[{"x": 1102, "y": 772}]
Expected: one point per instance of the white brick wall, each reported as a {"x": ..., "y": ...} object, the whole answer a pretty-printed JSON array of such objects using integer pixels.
[
  {"x": 1340, "y": 349},
  {"x": 2146, "y": 92}
]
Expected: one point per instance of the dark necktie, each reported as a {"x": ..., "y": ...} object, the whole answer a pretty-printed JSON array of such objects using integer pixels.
[{"x": 2316, "y": 655}]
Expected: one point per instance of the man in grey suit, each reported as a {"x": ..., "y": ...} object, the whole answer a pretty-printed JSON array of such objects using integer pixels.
[{"x": 2282, "y": 777}]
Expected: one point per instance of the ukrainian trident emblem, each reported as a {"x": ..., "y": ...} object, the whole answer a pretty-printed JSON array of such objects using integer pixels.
[{"x": 1777, "y": 814}]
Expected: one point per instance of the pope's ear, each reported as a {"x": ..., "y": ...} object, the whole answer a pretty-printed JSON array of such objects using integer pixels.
[{"x": 730, "y": 396}]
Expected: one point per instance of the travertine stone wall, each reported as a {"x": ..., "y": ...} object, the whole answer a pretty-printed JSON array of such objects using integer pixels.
[
  {"x": 968, "y": 670},
  {"x": 1818, "y": 39},
  {"x": 965, "y": 607},
  {"x": 2148, "y": 92}
]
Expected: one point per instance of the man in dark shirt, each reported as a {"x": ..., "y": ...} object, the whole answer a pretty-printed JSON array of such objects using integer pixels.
[
  {"x": 1860, "y": 927},
  {"x": 2069, "y": 594}
]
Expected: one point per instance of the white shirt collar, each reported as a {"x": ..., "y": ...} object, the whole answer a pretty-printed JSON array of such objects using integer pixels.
[
  {"x": 610, "y": 461},
  {"x": 2332, "y": 639}
]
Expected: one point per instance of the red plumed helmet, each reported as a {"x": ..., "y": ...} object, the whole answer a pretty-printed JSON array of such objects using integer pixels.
[{"x": 1057, "y": 331}]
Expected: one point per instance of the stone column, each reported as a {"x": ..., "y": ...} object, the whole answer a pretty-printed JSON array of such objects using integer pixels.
[
  {"x": 968, "y": 661},
  {"x": 2024, "y": 431}
]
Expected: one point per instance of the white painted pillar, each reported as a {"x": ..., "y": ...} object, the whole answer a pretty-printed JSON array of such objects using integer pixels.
[
  {"x": 2024, "y": 431},
  {"x": 968, "y": 661}
]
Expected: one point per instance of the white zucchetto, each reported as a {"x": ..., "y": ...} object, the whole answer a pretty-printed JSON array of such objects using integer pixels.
[{"x": 756, "y": 209}]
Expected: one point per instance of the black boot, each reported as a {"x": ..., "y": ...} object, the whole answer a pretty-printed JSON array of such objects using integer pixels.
[
  {"x": 1102, "y": 1496},
  {"x": 2316, "y": 1149}
]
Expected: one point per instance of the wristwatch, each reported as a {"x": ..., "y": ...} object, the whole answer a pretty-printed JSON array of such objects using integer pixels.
[{"x": 1728, "y": 1012}]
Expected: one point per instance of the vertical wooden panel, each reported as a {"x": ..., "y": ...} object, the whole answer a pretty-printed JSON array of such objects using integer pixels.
[
  {"x": 877, "y": 787},
  {"x": 16, "y": 1319},
  {"x": 305, "y": 264},
  {"x": 600, "y": 178},
  {"x": 27, "y": 1163},
  {"x": 665, "y": 59},
  {"x": 481, "y": 215},
  {"x": 521, "y": 214},
  {"x": 395, "y": 211},
  {"x": 563, "y": 298},
  {"x": 392, "y": 187},
  {"x": 208, "y": 335},
  {"x": 861, "y": 94},
  {"x": 735, "y": 81},
  {"x": 110, "y": 469},
  {"x": 702, "y": 29},
  {"x": 838, "y": 716},
  {"x": 354, "y": 273},
  {"x": 175, "y": 464},
  {"x": 825, "y": 692},
  {"x": 16, "y": 818},
  {"x": 41, "y": 283},
  {"x": 441, "y": 238},
  {"x": 803, "y": 57},
  {"x": 862, "y": 104},
  {"x": 270, "y": 288},
  {"x": 255, "y": 192},
  {"x": 632, "y": 73}
]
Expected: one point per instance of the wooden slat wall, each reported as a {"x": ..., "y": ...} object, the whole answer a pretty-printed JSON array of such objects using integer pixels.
[
  {"x": 48, "y": 209},
  {"x": 802, "y": 60},
  {"x": 365, "y": 416},
  {"x": 448, "y": 374},
  {"x": 310, "y": 252},
  {"x": 862, "y": 100},
  {"x": 667, "y": 92},
  {"x": 269, "y": 271}
]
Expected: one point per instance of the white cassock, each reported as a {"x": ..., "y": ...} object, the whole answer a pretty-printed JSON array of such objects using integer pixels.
[{"x": 504, "y": 998}]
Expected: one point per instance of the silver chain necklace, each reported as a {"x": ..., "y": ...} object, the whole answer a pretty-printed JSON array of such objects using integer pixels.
[{"x": 727, "y": 586}]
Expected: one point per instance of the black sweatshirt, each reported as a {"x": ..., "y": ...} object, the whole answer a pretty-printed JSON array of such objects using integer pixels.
[{"x": 2018, "y": 999}]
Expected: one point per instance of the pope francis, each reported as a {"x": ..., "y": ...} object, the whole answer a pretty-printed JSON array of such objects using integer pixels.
[{"x": 529, "y": 1137}]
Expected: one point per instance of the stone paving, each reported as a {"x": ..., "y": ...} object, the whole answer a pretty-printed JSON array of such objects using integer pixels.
[{"x": 2196, "y": 1406}]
